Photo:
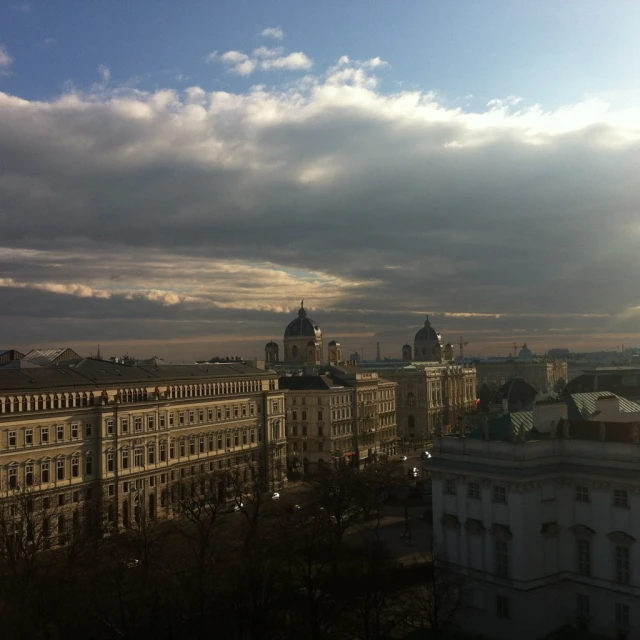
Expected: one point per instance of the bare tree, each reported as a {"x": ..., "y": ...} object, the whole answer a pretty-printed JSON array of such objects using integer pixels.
[{"x": 440, "y": 596}]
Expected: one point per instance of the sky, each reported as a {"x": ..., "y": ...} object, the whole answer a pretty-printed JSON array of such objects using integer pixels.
[{"x": 175, "y": 177}]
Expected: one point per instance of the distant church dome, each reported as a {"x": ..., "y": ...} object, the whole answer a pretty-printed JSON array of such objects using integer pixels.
[
  {"x": 427, "y": 333},
  {"x": 302, "y": 325},
  {"x": 271, "y": 345},
  {"x": 525, "y": 353}
]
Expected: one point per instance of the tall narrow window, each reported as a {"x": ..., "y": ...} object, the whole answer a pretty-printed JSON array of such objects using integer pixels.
[
  {"x": 75, "y": 467},
  {"x": 584, "y": 556},
  {"x": 88, "y": 464},
  {"x": 501, "y": 556},
  {"x": 60, "y": 469},
  {"x": 622, "y": 564},
  {"x": 44, "y": 472},
  {"x": 125, "y": 459},
  {"x": 28, "y": 475}
]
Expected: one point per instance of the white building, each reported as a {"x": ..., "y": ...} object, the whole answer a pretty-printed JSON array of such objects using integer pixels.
[{"x": 544, "y": 520}]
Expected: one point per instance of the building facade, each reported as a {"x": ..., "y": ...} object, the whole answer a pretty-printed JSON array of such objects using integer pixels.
[
  {"x": 341, "y": 416},
  {"x": 543, "y": 520},
  {"x": 542, "y": 374},
  {"x": 429, "y": 396},
  {"x": 108, "y": 439}
]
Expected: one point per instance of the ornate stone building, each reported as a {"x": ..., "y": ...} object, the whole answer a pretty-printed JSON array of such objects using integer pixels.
[
  {"x": 105, "y": 438},
  {"x": 540, "y": 517},
  {"x": 342, "y": 415},
  {"x": 303, "y": 340}
]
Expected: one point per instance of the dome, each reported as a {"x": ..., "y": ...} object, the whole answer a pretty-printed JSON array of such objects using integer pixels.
[
  {"x": 333, "y": 343},
  {"x": 271, "y": 345},
  {"x": 302, "y": 325},
  {"x": 525, "y": 353},
  {"x": 427, "y": 333}
]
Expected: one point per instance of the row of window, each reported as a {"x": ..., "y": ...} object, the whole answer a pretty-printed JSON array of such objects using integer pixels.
[
  {"x": 61, "y": 466},
  {"x": 194, "y": 446},
  {"x": 621, "y": 610},
  {"x": 620, "y": 496},
  {"x": 71, "y": 400},
  {"x": 47, "y": 435},
  {"x": 621, "y": 564}
]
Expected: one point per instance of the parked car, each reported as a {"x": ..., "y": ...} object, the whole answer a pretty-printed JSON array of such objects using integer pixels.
[
  {"x": 425, "y": 455},
  {"x": 413, "y": 472},
  {"x": 275, "y": 496},
  {"x": 403, "y": 458}
]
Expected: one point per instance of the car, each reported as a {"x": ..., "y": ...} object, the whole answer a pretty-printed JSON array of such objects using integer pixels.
[
  {"x": 403, "y": 458},
  {"x": 132, "y": 564},
  {"x": 238, "y": 506},
  {"x": 275, "y": 496},
  {"x": 425, "y": 455},
  {"x": 413, "y": 472}
]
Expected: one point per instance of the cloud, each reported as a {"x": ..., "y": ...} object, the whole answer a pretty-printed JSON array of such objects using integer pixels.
[
  {"x": 265, "y": 59},
  {"x": 210, "y": 57},
  {"x": 50, "y": 41},
  {"x": 206, "y": 216},
  {"x": 5, "y": 60},
  {"x": 273, "y": 32}
]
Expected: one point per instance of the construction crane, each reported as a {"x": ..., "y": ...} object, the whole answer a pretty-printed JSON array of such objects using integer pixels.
[{"x": 462, "y": 344}]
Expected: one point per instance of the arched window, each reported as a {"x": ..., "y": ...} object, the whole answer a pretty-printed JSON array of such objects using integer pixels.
[{"x": 411, "y": 400}]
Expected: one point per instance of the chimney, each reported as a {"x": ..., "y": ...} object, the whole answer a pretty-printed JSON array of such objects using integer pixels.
[
  {"x": 608, "y": 405},
  {"x": 546, "y": 413}
]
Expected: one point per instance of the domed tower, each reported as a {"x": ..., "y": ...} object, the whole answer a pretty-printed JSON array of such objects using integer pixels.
[
  {"x": 335, "y": 352},
  {"x": 406, "y": 353},
  {"x": 298, "y": 335},
  {"x": 271, "y": 353},
  {"x": 427, "y": 345}
]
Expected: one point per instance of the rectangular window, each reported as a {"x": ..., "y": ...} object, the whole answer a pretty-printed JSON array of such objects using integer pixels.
[
  {"x": 320, "y": 432},
  {"x": 499, "y": 494},
  {"x": 192, "y": 417},
  {"x": 28, "y": 475},
  {"x": 501, "y": 557},
  {"x": 244, "y": 410},
  {"x": 276, "y": 406},
  {"x": 622, "y": 564},
  {"x": 181, "y": 418},
  {"x": 125, "y": 459},
  {"x": 219, "y": 413},
  {"x": 319, "y": 415},
  {"x": 304, "y": 415},
  {"x": 28, "y": 437},
  {"x": 582, "y": 494},
  {"x": 60, "y": 469},
  {"x": 236, "y": 439},
  {"x": 219, "y": 439},
  {"x": 124, "y": 425},
  {"x": 75, "y": 496},
  {"x": 75, "y": 467},
  {"x": 584, "y": 556},
  {"x": 210, "y": 414},
  {"x": 137, "y": 424},
  {"x": 172, "y": 449},
  {"x": 502, "y": 607},
  {"x": 88, "y": 430},
  {"x": 192, "y": 445},
  {"x": 60, "y": 432},
  {"x": 294, "y": 415},
  {"x": 201, "y": 444},
  {"x": 152, "y": 481},
  {"x": 112, "y": 490},
  {"x": 110, "y": 427},
  {"x": 74, "y": 431},
  {"x": 450, "y": 486},
  {"x": 211, "y": 441},
  {"x": 235, "y": 410},
  {"x": 61, "y": 500},
  {"x": 163, "y": 478},
  {"x": 622, "y": 614},
  {"x": 583, "y": 605},
  {"x": 200, "y": 415},
  {"x": 88, "y": 464},
  {"x": 162, "y": 419},
  {"x": 252, "y": 410},
  {"x": 244, "y": 436},
  {"x": 172, "y": 419},
  {"x": 44, "y": 435},
  {"x": 304, "y": 430},
  {"x": 110, "y": 461},
  {"x": 320, "y": 446},
  {"x": 473, "y": 490},
  {"x": 183, "y": 448},
  {"x": 137, "y": 457},
  {"x": 13, "y": 477},
  {"x": 151, "y": 423},
  {"x": 620, "y": 498},
  {"x": 13, "y": 438},
  {"x": 294, "y": 430},
  {"x": 151, "y": 454},
  {"x": 125, "y": 487}
]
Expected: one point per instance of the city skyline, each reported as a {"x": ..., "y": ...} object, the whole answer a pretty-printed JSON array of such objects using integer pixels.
[{"x": 176, "y": 183}]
